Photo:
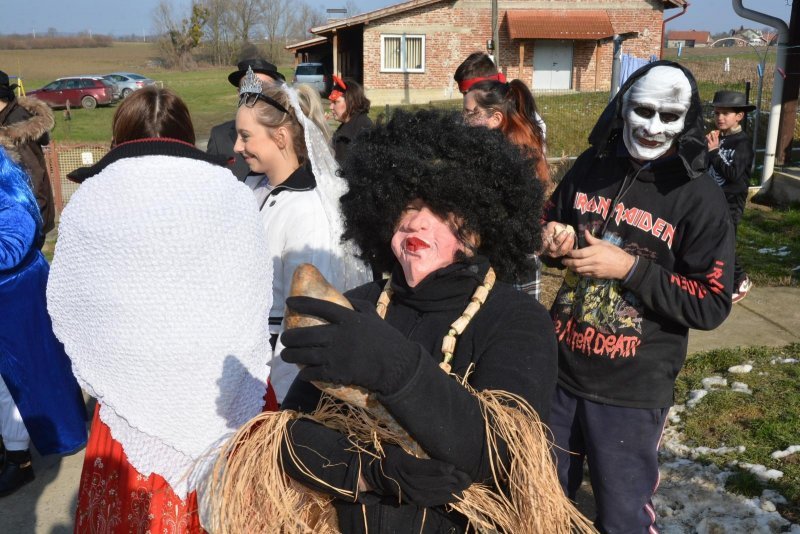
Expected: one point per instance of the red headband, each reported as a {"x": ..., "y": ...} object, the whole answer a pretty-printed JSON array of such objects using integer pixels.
[
  {"x": 339, "y": 88},
  {"x": 465, "y": 85}
]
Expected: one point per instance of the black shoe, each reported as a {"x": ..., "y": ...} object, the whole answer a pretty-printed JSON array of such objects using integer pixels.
[{"x": 17, "y": 472}]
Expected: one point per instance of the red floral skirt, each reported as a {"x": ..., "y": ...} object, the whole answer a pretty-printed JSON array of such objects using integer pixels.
[{"x": 115, "y": 498}]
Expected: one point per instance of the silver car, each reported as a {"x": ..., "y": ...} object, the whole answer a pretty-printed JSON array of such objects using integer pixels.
[
  {"x": 129, "y": 82},
  {"x": 315, "y": 75}
]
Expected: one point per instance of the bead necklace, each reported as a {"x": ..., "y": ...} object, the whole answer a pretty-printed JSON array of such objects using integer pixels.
[{"x": 459, "y": 325}]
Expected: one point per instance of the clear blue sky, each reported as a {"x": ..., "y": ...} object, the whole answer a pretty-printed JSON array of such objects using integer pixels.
[{"x": 135, "y": 16}]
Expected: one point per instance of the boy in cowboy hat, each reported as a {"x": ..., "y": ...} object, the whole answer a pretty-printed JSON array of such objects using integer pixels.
[{"x": 731, "y": 156}]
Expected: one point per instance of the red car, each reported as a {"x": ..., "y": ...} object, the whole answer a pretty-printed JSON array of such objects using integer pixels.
[{"x": 84, "y": 92}]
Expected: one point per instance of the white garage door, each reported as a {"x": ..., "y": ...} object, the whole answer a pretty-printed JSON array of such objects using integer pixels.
[{"x": 552, "y": 65}]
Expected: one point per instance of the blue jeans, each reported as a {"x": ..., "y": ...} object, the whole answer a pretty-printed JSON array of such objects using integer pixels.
[{"x": 621, "y": 447}]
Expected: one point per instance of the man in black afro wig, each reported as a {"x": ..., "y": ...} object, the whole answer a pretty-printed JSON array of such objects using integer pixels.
[{"x": 472, "y": 173}]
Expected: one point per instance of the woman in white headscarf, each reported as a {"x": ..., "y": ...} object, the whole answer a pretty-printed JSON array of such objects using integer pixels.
[
  {"x": 160, "y": 292},
  {"x": 281, "y": 133}
]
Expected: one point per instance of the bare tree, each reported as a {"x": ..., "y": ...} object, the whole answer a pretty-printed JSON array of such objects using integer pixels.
[
  {"x": 220, "y": 37},
  {"x": 352, "y": 8},
  {"x": 277, "y": 24},
  {"x": 305, "y": 18},
  {"x": 179, "y": 40},
  {"x": 246, "y": 17}
]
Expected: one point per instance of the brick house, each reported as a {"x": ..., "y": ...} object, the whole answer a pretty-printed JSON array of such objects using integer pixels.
[
  {"x": 688, "y": 39},
  {"x": 408, "y": 52}
]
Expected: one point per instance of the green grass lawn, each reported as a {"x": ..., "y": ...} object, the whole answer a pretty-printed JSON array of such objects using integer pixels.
[
  {"x": 770, "y": 228},
  {"x": 764, "y": 422}
]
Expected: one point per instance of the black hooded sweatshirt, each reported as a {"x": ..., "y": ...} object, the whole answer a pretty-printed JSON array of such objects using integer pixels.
[{"x": 622, "y": 342}]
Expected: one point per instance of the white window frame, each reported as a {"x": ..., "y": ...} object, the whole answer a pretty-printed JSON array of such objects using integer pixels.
[{"x": 403, "y": 58}]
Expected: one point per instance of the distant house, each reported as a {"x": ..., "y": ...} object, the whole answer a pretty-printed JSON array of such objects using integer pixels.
[
  {"x": 753, "y": 37},
  {"x": 769, "y": 37},
  {"x": 688, "y": 39},
  {"x": 408, "y": 52}
]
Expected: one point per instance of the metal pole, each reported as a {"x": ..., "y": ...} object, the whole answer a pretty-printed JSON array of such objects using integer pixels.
[
  {"x": 777, "y": 87},
  {"x": 496, "y": 34},
  {"x": 758, "y": 110},
  {"x": 615, "y": 66}
]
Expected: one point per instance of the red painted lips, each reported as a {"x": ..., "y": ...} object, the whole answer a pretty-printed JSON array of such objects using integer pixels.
[{"x": 414, "y": 244}]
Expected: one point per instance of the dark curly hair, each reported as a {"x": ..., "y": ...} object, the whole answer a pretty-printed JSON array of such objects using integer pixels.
[{"x": 472, "y": 173}]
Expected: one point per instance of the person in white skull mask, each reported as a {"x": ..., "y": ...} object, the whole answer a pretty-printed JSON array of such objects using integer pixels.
[
  {"x": 655, "y": 112},
  {"x": 648, "y": 245}
]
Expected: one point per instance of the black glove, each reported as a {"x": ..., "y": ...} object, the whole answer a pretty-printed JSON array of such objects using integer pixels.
[
  {"x": 326, "y": 453},
  {"x": 357, "y": 347},
  {"x": 414, "y": 480},
  {"x": 335, "y": 464}
]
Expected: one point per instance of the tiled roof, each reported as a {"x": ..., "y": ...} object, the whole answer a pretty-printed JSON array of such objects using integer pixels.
[
  {"x": 314, "y": 41},
  {"x": 700, "y": 37},
  {"x": 558, "y": 24}
]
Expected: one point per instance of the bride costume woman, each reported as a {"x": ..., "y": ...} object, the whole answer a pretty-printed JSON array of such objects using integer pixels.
[{"x": 282, "y": 134}]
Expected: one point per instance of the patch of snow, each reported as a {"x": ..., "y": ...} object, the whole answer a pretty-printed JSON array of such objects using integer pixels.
[
  {"x": 741, "y": 387},
  {"x": 762, "y": 472},
  {"x": 786, "y": 452},
  {"x": 712, "y": 381},
  {"x": 783, "y": 360},
  {"x": 773, "y": 496},
  {"x": 768, "y": 506},
  {"x": 691, "y": 497},
  {"x": 740, "y": 368},
  {"x": 674, "y": 413},
  {"x": 780, "y": 252},
  {"x": 695, "y": 396}
]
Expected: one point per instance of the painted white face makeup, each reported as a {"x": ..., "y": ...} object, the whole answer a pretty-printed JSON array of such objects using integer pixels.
[
  {"x": 654, "y": 110},
  {"x": 423, "y": 242}
]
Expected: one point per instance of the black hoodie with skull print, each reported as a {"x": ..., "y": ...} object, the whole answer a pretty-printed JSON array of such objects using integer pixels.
[{"x": 622, "y": 342}]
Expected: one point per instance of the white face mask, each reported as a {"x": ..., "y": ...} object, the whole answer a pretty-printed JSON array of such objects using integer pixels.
[{"x": 654, "y": 110}]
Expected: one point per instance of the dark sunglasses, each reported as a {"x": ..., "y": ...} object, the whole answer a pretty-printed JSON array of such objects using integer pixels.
[{"x": 249, "y": 100}]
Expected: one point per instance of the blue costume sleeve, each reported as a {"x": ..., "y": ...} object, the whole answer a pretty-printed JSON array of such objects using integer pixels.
[
  {"x": 33, "y": 364},
  {"x": 17, "y": 232}
]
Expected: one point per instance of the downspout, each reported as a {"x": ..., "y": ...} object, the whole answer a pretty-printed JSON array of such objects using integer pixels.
[
  {"x": 777, "y": 86},
  {"x": 663, "y": 29}
]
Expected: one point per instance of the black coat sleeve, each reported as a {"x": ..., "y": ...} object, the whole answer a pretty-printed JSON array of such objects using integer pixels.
[
  {"x": 735, "y": 172},
  {"x": 517, "y": 353},
  {"x": 696, "y": 293},
  {"x": 212, "y": 148}
]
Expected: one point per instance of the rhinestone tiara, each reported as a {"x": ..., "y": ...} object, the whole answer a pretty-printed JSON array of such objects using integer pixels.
[{"x": 250, "y": 83}]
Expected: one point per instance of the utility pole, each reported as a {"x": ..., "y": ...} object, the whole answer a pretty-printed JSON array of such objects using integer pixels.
[
  {"x": 791, "y": 89},
  {"x": 616, "y": 62},
  {"x": 496, "y": 33}
]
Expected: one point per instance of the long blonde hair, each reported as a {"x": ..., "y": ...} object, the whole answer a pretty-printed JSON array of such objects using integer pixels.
[{"x": 271, "y": 117}]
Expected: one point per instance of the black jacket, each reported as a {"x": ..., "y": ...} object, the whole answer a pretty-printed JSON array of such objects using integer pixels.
[
  {"x": 220, "y": 143},
  {"x": 730, "y": 163},
  {"x": 510, "y": 341},
  {"x": 347, "y": 132},
  {"x": 623, "y": 342}
]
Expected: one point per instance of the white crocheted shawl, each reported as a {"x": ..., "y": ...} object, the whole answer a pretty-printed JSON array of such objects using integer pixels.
[{"x": 160, "y": 290}]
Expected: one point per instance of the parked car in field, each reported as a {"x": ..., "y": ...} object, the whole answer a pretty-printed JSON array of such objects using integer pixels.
[
  {"x": 86, "y": 92},
  {"x": 314, "y": 74},
  {"x": 116, "y": 91},
  {"x": 129, "y": 82}
]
